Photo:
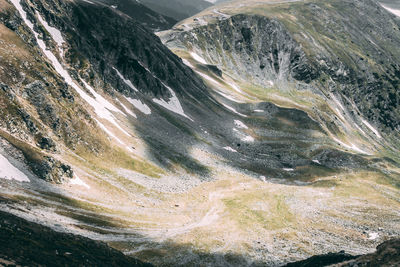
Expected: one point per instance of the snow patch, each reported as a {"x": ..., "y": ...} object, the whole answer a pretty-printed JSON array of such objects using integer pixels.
[
  {"x": 316, "y": 161},
  {"x": 248, "y": 138},
  {"x": 373, "y": 236},
  {"x": 259, "y": 110},
  {"x": 78, "y": 181},
  {"x": 288, "y": 169},
  {"x": 101, "y": 106},
  {"x": 9, "y": 172},
  {"x": 392, "y": 10},
  {"x": 54, "y": 32},
  {"x": 352, "y": 147},
  {"x": 229, "y": 97},
  {"x": 233, "y": 110},
  {"x": 127, "y": 110},
  {"x": 228, "y": 148},
  {"x": 240, "y": 124},
  {"x": 139, "y": 105},
  {"x": 235, "y": 87},
  {"x": 172, "y": 104},
  {"x": 375, "y": 131},
  {"x": 104, "y": 128},
  {"x": 198, "y": 58},
  {"x": 127, "y": 82},
  {"x": 208, "y": 78},
  {"x": 187, "y": 63},
  {"x": 337, "y": 102}
]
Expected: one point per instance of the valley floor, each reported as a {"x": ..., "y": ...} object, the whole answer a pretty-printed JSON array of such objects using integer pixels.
[{"x": 234, "y": 219}]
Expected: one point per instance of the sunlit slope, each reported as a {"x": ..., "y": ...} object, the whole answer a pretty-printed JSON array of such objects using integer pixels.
[
  {"x": 312, "y": 55},
  {"x": 220, "y": 158}
]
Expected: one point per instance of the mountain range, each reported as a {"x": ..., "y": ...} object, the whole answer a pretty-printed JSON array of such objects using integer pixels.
[{"x": 249, "y": 133}]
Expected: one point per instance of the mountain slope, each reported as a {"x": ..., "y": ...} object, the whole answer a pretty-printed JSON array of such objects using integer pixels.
[
  {"x": 325, "y": 55},
  {"x": 180, "y": 159}
]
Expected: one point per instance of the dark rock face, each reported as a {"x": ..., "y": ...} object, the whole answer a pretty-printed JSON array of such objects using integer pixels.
[
  {"x": 51, "y": 170},
  {"x": 322, "y": 46},
  {"x": 387, "y": 255},
  {"x": 322, "y": 260},
  {"x": 42, "y": 165},
  {"x": 47, "y": 143},
  {"x": 30, "y": 244},
  {"x": 253, "y": 47},
  {"x": 36, "y": 93}
]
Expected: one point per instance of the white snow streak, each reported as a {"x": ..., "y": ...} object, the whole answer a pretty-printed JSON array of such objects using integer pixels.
[
  {"x": 208, "y": 78},
  {"x": 235, "y": 87},
  {"x": 228, "y": 148},
  {"x": 127, "y": 82},
  {"x": 229, "y": 97},
  {"x": 394, "y": 11},
  {"x": 54, "y": 32},
  {"x": 352, "y": 147},
  {"x": 288, "y": 169},
  {"x": 127, "y": 110},
  {"x": 240, "y": 124},
  {"x": 9, "y": 172},
  {"x": 104, "y": 128},
  {"x": 373, "y": 236},
  {"x": 87, "y": 1},
  {"x": 198, "y": 58},
  {"x": 78, "y": 181},
  {"x": 233, "y": 110},
  {"x": 337, "y": 102},
  {"x": 142, "y": 107},
  {"x": 102, "y": 107},
  {"x": 248, "y": 139},
  {"x": 375, "y": 131},
  {"x": 187, "y": 63},
  {"x": 172, "y": 104}
]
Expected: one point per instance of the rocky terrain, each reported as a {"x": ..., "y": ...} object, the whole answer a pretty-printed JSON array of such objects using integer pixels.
[
  {"x": 387, "y": 254},
  {"x": 255, "y": 133}
]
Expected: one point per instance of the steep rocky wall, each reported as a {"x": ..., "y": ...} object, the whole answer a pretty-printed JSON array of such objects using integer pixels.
[
  {"x": 252, "y": 47},
  {"x": 320, "y": 45},
  {"x": 97, "y": 46}
]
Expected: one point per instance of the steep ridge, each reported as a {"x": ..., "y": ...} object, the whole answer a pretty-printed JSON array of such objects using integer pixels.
[{"x": 173, "y": 161}]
